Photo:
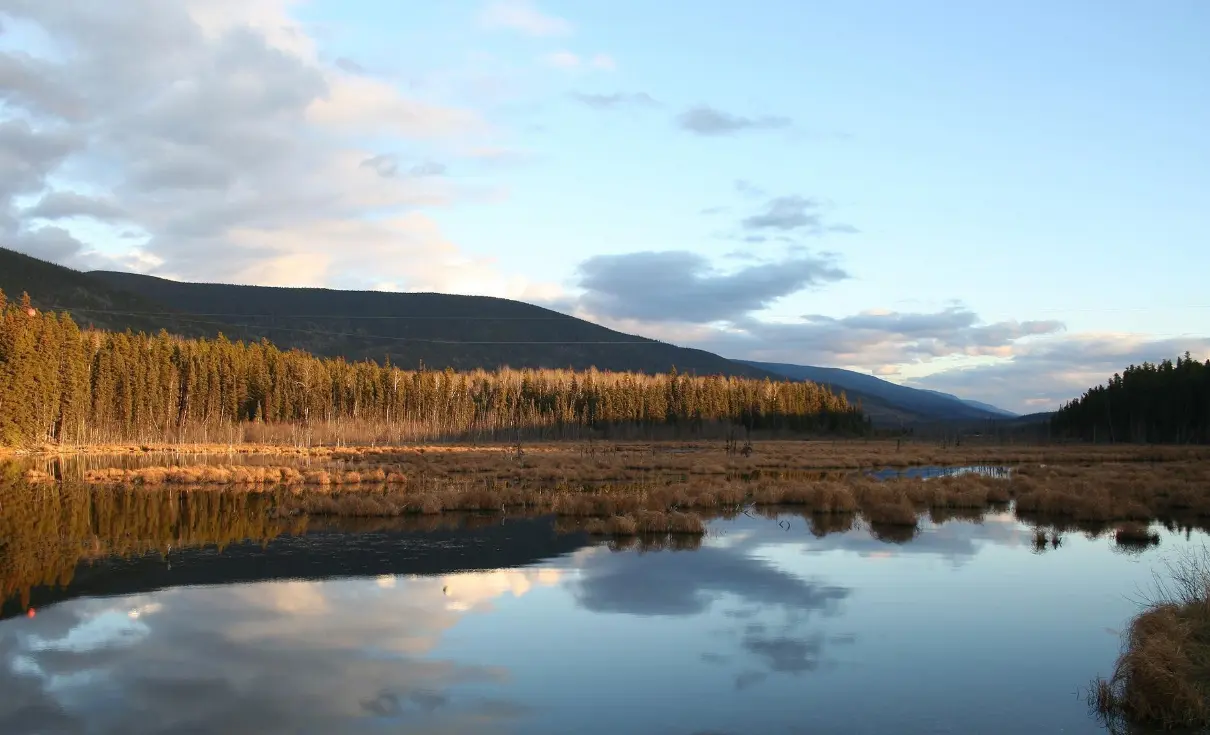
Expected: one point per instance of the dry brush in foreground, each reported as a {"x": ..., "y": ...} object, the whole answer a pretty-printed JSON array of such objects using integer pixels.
[{"x": 1162, "y": 678}]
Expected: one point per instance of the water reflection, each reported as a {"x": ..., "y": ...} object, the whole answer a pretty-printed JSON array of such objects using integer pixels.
[
  {"x": 175, "y": 610},
  {"x": 938, "y": 534},
  {"x": 48, "y": 532},
  {"x": 688, "y": 583},
  {"x": 767, "y": 626},
  {"x": 293, "y": 657},
  {"x": 931, "y": 471}
]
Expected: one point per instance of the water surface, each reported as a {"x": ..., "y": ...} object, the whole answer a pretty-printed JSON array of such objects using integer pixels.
[{"x": 508, "y": 626}]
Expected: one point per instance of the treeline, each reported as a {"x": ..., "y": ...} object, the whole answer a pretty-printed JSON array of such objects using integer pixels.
[
  {"x": 61, "y": 384},
  {"x": 1164, "y": 403}
]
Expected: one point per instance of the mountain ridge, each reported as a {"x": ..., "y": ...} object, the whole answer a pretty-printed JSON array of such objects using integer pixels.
[
  {"x": 889, "y": 402},
  {"x": 436, "y": 330},
  {"x": 409, "y": 329}
]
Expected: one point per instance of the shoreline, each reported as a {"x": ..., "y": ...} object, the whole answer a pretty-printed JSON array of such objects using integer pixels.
[
  {"x": 902, "y": 452},
  {"x": 1118, "y": 488}
]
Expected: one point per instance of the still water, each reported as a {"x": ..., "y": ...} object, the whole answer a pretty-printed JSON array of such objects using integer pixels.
[{"x": 511, "y": 628}]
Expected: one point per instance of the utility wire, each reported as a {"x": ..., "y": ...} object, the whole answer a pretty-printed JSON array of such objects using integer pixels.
[
  {"x": 415, "y": 317},
  {"x": 391, "y": 338},
  {"x": 560, "y": 317},
  {"x": 185, "y": 317}
]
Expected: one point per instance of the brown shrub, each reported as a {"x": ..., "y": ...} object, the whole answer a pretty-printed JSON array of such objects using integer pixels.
[
  {"x": 612, "y": 526},
  {"x": 428, "y": 504},
  {"x": 317, "y": 477},
  {"x": 1162, "y": 678}
]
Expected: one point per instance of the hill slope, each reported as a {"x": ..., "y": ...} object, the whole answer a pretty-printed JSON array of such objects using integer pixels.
[
  {"x": 885, "y": 401},
  {"x": 980, "y": 405},
  {"x": 987, "y": 407},
  {"x": 91, "y": 302},
  {"x": 438, "y": 330},
  {"x": 461, "y": 332}
]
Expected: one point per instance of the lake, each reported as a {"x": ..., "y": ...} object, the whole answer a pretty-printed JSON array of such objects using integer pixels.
[{"x": 767, "y": 625}]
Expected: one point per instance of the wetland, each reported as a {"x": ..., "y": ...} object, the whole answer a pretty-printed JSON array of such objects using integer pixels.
[{"x": 662, "y": 588}]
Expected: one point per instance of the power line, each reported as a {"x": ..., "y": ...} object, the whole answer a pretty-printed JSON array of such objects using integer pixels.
[
  {"x": 185, "y": 318},
  {"x": 413, "y": 317},
  {"x": 392, "y": 338},
  {"x": 557, "y": 318}
]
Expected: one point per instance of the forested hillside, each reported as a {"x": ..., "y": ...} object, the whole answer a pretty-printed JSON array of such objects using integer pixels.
[
  {"x": 58, "y": 384},
  {"x": 55, "y": 288},
  {"x": 1168, "y": 402},
  {"x": 411, "y": 329},
  {"x": 436, "y": 330}
]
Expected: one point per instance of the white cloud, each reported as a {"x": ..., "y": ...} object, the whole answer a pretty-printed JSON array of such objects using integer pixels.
[
  {"x": 563, "y": 60},
  {"x": 221, "y": 137},
  {"x": 604, "y": 62},
  {"x": 1040, "y": 375},
  {"x": 568, "y": 60},
  {"x": 523, "y": 16},
  {"x": 361, "y": 104}
]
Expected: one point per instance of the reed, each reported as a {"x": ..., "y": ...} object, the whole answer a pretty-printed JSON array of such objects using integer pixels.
[
  {"x": 1162, "y": 678},
  {"x": 656, "y": 479}
]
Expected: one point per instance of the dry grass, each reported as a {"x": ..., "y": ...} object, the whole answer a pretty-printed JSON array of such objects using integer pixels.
[
  {"x": 1162, "y": 678},
  {"x": 710, "y": 457},
  {"x": 647, "y": 523},
  {"x": 230, "y": 475},
  {"x": 624, "y": 479}
]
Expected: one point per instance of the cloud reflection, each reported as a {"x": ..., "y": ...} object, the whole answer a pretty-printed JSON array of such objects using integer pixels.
[
  {"x": 687, "y": 583},
  {"x": 282, "y": 657},
  {"x": 957, "y": 541}
]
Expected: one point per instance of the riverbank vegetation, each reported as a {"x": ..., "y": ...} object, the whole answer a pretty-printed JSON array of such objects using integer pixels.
[
  {"x": 1162, "y": 678},
  {"x": 1121, "y": 489},
  {"x": 695, "y": 456}
]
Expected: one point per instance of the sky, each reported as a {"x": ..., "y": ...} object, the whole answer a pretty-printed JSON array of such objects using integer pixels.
[{"x": 1006, "y": 201}]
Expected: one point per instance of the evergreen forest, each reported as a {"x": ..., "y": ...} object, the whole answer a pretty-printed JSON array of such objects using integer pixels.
[
  {"x": 1165, "y": 403},
  {"x": 65, "y": 385}
]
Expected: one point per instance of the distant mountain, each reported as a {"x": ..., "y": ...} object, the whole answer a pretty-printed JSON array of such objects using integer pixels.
[
  {"x": 990, "y": 408},
  {"x": 438, "y": 330},
  {"x": 974, "y": 404},
  {"x": 886, "y": 402}
]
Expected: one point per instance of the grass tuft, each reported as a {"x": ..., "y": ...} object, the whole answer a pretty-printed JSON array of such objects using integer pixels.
[{"x": 1162, "y": 678}]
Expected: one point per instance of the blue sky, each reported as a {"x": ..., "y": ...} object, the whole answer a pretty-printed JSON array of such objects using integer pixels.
[{"x": 1010, "y": 198}]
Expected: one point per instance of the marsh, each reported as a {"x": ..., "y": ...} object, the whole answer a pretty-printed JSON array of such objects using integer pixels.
[{"x": 206, "y": 614}]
